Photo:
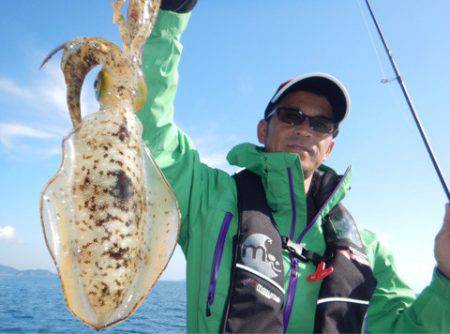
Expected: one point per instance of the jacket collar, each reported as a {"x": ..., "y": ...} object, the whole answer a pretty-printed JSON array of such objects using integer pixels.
[{"x": 273, "y": 168}]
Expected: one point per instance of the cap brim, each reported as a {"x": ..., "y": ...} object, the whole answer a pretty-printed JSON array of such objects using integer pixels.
[{"x": 319, "y": 83}]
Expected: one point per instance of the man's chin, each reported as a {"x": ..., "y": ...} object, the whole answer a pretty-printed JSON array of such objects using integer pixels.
[
  {"x": 304, "y": 157},
  {"x": 306, "y": 167},
  {"x": 302, "y": 153}
]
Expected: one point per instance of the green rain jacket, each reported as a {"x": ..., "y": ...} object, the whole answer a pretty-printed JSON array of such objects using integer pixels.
[{"x": 207, "y": 200}]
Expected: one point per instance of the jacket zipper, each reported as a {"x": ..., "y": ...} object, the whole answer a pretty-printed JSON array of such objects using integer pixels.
[
  {"x": 294, "y": 210},
  {"x": 218, "y": 252},
  {"x": 294, "y": 262},
  {"x": 293, "y": 277}
]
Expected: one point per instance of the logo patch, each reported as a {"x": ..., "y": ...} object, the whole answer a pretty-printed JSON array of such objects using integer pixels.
[{"x": 256, "y": 254}]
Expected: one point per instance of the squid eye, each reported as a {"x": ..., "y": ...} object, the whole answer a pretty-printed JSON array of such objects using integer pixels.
[
  {"x": 141, "y": 94},
  {"x": 97, "y": 85}
]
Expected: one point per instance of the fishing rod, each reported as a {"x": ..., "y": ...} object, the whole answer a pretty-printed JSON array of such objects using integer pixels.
[{"x": 410, "y": 104}]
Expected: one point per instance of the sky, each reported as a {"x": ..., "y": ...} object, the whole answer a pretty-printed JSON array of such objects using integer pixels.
[{"x": 235, "y": 55}]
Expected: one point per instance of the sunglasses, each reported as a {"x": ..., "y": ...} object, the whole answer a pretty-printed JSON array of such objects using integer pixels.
[{"x": 295, "y": 116}]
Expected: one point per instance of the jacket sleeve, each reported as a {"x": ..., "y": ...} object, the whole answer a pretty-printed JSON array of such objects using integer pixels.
[
  {"x": 169, "y": 146},
  {"x": 396, "y": 308}
]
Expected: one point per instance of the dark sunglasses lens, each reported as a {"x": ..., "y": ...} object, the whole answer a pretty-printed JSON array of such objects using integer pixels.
[
  {"x": 321, "y": 125},
  {"x": 295, "y": 117},
  {"x": 290, "y": 116}
]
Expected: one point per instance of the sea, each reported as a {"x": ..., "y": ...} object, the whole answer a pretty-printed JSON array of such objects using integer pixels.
[{"x": 37, "y": 305}]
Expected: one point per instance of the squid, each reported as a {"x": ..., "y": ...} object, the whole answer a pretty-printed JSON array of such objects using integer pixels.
[{"x": 110, "y": 218}]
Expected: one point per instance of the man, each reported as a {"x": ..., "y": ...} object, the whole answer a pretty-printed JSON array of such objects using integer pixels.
[{"x": 264, "y": 281}]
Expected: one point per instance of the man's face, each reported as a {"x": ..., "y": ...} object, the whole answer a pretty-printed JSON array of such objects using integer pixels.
[{"x": 312, "y": 147}]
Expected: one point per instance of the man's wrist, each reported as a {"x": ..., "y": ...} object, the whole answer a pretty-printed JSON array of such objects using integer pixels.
[
  {"x": 440, "y": 284},
  {"x": 170, "y": 23}
]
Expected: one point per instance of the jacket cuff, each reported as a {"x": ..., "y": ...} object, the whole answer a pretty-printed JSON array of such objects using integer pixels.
[
  {"x": 170, "y": 23},
  {"x": 440, "y": 284}
]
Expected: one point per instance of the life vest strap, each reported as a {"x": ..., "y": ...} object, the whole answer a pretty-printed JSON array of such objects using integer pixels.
[{"x": 300, "y": 252}]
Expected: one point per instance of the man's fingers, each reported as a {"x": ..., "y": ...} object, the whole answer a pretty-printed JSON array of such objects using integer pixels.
[
  {"x": 442, "y": 244},
  {"x": 446, "y": 225},
  {"x": 447, "y": 214}
]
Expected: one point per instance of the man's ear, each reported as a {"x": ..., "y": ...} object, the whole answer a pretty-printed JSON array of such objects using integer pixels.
[
  {"x": 330, "y": 148},
  {"x": 262, "y": 131}
]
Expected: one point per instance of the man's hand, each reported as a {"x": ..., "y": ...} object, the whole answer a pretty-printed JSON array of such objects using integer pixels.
[
  {"x": 442, "y": 245},
  {"x": 178, "y": 6}
]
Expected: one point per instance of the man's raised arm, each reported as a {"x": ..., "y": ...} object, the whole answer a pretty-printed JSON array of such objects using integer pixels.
[
  {"x": 194, "y": 183},
  {"x": 170, "y": 148},
  {"x": 161, "y": 56}
]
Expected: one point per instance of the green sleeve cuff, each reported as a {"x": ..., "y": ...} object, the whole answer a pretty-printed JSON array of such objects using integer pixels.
[
  {"x": 440, "y": 284},
  {"x": 170, "y": 23}
]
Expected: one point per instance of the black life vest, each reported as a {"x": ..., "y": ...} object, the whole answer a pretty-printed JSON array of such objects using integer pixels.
[{"x": 256, "y": 298}]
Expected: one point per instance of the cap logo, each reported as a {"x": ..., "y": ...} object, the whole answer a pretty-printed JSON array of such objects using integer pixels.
[{"x": 283, "y": 84}]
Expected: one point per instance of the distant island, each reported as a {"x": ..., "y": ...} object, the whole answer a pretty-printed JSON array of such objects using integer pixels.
[{"x": 10, "y": 272}]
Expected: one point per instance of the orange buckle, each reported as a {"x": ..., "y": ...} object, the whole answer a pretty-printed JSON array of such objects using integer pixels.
[{"x": 320, "y": 273}]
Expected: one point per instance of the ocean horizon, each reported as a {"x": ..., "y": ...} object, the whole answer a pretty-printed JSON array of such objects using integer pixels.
[{"x": 37, "y": 305}]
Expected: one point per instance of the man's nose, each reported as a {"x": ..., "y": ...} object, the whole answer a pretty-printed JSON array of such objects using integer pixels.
[{"x": 303, "y": 128}]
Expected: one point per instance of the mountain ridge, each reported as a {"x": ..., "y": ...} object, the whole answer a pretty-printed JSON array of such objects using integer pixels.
[{"x": 11, "y": 272}]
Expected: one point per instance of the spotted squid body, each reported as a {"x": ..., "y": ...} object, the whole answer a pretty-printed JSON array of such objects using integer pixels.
[{"x": 109, "y": 217}]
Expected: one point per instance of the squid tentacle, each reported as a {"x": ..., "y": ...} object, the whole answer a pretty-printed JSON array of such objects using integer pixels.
[
  {"x": 51, "y": 54},
  {"x": 80, "y": 56},
  {"x": 120, "y": 78},
  {"x": 119, "y": 19},
  {"x": 141, "y": 17}
]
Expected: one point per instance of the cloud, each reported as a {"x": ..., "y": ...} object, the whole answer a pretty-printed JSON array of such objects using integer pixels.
[
  {"x": 215, "y": 159},
  {"x": 7, "y": 233},
  {"x": 46, "y": 91},
  {"x": 11, "y": 88},
  {"x": 212, "y": 146},
  {"x": 218, "y": 160},
  {"x": 9, "y": 131},
  {"x": 42, "y": 102}
]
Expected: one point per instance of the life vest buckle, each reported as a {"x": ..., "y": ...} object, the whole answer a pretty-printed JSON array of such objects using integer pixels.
[
  {"x": 300, "y": 252},
  {"x": 294, "y": 248}
]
